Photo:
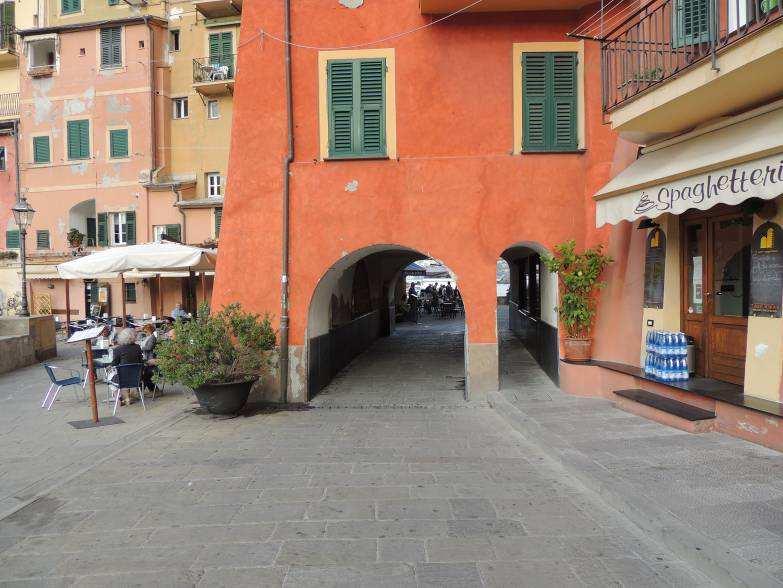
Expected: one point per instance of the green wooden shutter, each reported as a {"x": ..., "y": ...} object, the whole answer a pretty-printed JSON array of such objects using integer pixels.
[
  {"x": 130, "y": 223},
  {"x": 340, "y": 82},
  {"x": 692, "y": 22},
  {"x": 78, "y": 139},
  {"x": 68, "y": 6},
  {"x": 103, "y": 229},
  {"x": 114, "y": 2},
  {"x": 42, "y": 239},
  {"x": 221, "y": 50},
  {"x": 12, "y": 240},
  {"x": 174, "y": 231},
  {"x": 564, "y": 105},
  {"x": 118, "y": 143},
  {"x": 534, "y": 97},
  {"x": 218, "y": 220},
  {"x": 111, "y": 47},
  {"x": 41, "y": 151},
  {"x": 549, "y": 96},
  {"x": 372, "y": 128},
  {"x": 9, "y": 24}
]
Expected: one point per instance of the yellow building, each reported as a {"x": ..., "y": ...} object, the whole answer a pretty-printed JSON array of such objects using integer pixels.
[{"x": 700, "y": 103}]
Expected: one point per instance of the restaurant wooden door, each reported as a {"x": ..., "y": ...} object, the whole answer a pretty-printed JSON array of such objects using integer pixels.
[{"x": 716, "y": 278}]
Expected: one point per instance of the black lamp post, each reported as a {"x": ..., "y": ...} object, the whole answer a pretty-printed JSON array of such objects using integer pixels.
[{"x": 23, "y": 215}]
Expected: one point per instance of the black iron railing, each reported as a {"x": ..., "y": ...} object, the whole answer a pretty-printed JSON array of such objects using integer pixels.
[
  {"x": 664, "y": 37},
  {"x": 214, "y": 69}
]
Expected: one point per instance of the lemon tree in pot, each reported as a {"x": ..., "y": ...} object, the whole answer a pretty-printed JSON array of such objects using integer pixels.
[
  {"x": 218, "y": 355},
  {"x": 579, "y": 278}
]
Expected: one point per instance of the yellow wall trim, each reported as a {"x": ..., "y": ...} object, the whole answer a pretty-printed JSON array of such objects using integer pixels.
[
  {"x": 391, "y": 93},
  {"x": 518, "y": 49}
]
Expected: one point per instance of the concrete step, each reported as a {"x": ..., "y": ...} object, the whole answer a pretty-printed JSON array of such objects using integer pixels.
[{"x": 665, "y": 410}]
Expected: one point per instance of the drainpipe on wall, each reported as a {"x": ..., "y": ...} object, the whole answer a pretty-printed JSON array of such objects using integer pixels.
[
  {"x": 285, "y": 206},
  {"x": 177, "y": 197}
]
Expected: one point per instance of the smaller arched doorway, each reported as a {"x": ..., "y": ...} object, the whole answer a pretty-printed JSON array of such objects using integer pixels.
[
  {"x": 386, "y": 325},
  {"x": 527, "y": 315}
]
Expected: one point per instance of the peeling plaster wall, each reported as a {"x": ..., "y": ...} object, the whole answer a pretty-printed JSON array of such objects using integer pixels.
[{"x": 81, "y": 90}]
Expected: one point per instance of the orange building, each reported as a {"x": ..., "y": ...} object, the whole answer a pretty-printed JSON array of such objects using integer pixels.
[{"x": 476, "y": 138}]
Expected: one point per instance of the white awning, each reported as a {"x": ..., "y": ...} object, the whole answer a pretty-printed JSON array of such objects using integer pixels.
[
  {"x": 724, "y": 166},
  {"x": 148, "y": 257}
]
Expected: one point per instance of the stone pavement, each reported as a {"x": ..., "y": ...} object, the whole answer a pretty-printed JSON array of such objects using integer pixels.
[
  {"x": 715, "y": 499},
  {"x": 39, "y": 448},
  {"x": 422, "y": 489}
]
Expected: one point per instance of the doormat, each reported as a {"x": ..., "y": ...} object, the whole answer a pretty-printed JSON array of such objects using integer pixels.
[{"x": 90, "y": 424}]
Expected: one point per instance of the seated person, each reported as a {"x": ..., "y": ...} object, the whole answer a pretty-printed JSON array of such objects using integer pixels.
[
  {"x": 127, "y": 351},
  {"x": 178, "y": 312},
  {"x": 148, "y": 349}
]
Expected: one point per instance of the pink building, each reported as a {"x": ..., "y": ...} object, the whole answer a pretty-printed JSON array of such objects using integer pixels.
[{"x": 94, "y": 109}]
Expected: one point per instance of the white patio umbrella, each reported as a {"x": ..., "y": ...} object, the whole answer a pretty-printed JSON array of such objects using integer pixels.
[
  {"x": 159, "y": 257},
  {"x": 147, "y": 257}
]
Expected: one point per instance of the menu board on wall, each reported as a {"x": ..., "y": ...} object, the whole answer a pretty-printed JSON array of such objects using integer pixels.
[
  {"x": 654, "y": 269},
  {"x": 766, "y": 271}
]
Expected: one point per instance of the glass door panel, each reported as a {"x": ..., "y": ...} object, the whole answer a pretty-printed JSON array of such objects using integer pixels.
[
  {"x": 731, "y": 266},
  {"x": 694, "y": 260}
]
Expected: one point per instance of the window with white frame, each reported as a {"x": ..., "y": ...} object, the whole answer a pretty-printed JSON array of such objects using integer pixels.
[
  {"x": 213, "y": 109},
  {"x": 41, "y": 53},
  {"x": 174, "y": 40},
  {"x": 119, "y": 222},
  {"x": 214, "y": 185},
  {"x": 180, "y": 106}
]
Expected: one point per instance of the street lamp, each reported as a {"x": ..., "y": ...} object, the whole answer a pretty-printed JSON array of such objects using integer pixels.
[{"x": 23, "y": 215}]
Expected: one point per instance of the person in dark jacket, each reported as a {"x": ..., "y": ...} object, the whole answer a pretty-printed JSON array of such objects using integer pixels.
[{"x": 127, "y": 351}]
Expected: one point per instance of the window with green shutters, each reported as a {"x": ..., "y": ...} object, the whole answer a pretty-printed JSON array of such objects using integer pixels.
[
  {"x": 549, "y": 96},
  {"x": 111, "y": 47},
  {"x": 171, "y": 231},
  {"x": 103, "y": 229},
  {"x": 118, "y": 143},
  {"x": 12, "y": 239},
  {"x": 42, "y": 239},
  {"x": 70, "y": 6},
  {"x": 130, "y": 292},
  {"x": 218, "y": 220},
  {"x": 78, "y": 139},
  {"x": 221, "y": 50},
  {"x": 691, "y": 22},
  {"x": 114, "y": 2},
  {"x": 356, "y": 95},
  {"x": 41, "y": 151}
]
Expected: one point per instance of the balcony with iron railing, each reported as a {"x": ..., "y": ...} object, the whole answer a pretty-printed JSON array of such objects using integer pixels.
[
  {"x": 214, "y": 75},
  {"x": 668, "y": 39}
]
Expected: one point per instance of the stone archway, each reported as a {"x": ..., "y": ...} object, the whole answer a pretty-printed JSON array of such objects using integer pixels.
[{"x": 354, "y": 304}]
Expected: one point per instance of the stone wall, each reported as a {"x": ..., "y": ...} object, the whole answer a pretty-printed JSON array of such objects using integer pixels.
[{"x": 25, "y": 341}]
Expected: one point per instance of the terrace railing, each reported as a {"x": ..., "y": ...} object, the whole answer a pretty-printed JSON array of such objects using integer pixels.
[
  {"x": 214, "y": 69},
  {"x": 665, "y": 37},
  {"x": 9, "y": 104}
]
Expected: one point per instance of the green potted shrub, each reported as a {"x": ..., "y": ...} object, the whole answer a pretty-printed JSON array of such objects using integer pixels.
[
  {"x": 75, "y": 238},
  {"x": 218, "y": 355},
  {"x": 578, "y": 275}
]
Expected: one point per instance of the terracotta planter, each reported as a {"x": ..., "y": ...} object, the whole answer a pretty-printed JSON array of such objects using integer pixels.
[
  {"x": 578, "y": 349},
  {"x": 228, "y": 398}
]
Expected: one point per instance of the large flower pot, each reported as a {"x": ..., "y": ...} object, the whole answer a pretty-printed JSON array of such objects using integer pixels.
[
  {"x": 578, "y": 349},
  {"x": 225, "y": 398}
]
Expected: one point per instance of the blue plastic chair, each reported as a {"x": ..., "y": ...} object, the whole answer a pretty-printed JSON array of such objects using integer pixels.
[
  {"x": 74, "y": 379},
  {"x": 125, "y": 376}
]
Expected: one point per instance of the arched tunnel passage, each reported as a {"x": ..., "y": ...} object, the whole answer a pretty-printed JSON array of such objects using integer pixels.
[
  {"x": 527, "y": 298},
  {"x": 381, "y": 331}
]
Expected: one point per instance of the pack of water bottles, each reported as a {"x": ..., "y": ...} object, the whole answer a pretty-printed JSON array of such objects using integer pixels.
[{"x": 667, "y": 356}]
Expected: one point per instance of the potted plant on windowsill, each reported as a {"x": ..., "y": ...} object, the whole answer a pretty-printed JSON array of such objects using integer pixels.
[
  {"x": 218, "y": 355},
  {"x": 75, "y": 238},
  {"x": 578, "y": 275}
]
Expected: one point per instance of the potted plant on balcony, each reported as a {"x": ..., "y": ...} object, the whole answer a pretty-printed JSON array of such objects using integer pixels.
[
  {"x": 578, "y": 276},
  {"x": 75, "y": 238},
  {"x": 218, "y": 355}
]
